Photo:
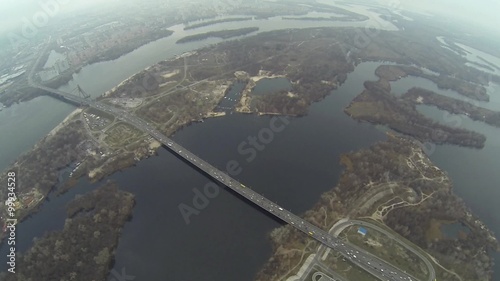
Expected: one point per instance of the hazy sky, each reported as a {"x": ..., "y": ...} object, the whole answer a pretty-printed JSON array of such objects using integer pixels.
[
  {"x": 484, "y": 12},
  {"x": 12, "y": 12}
]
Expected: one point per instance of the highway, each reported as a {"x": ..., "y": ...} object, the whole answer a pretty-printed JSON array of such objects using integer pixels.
[
  {"x": 347, "y": 223},
  {"x": 375, "y": 266}
]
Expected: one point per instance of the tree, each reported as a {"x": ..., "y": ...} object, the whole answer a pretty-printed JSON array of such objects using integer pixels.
[{"x": 103, "y": 257}]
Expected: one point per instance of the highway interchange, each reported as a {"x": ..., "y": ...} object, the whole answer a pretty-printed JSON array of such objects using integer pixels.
[
  {"x": 375, "y": 266},
  {"x": 340, "y": 226}
]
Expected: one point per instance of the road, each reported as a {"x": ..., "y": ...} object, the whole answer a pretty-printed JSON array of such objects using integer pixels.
[
  {"x": 375, "y": 266},
  {"x": 340, "y": 226}
]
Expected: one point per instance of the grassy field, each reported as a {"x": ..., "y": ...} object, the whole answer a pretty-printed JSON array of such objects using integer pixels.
[{"x": 121, "y": 135}]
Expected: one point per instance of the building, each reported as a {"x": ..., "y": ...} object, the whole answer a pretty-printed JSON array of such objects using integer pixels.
[
  {"x": 7, "y": 77},
  {"x": 362, "y": 231},
  {"x": 48, "y": 74},
  {"x": 61, "y": 65}
]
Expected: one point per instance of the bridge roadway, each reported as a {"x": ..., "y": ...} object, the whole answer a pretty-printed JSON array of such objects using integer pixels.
[{"x": 375, "y": 266}]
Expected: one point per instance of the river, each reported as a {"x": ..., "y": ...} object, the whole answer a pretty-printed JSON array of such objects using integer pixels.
[
  {"x": 228, "y": 240},
  {"x": 22, "y": 125},
  {"x": 90, "y": 78},
  {"x": 474, "y": 172}
]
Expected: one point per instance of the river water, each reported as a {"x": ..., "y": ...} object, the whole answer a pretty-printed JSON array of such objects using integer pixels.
[
  {"x": 269, "y": 85},
  {"x": 228, "y": 240},
  {"x": 25, "y": 123},
  {"x": 45, "y": 113},
  {"x": 474, "y": 172}
]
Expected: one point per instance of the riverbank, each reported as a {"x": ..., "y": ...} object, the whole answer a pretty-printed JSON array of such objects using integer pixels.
[
  {"x": 192, "y": 97},
  {"x": 422, "y": 96},
  {"x": 322, "y": 60},
  {"x": 66, "y": 120},
  {"x": 84, "y": 248},
  {"x": 404, "y": 191},
  {"x": 223, "y": 34},
  {"x": 377, "y": 105}
]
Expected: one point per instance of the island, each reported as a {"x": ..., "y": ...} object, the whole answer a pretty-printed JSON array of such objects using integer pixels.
[
  {"x": 314, "y": 62},
  {"x": 330, "y": 18},
  {"x": 185, "y": 89},
  {"x": 377, "y": 105},
  {"x": 472, "y": 90},
  {"x": 419, "y": 95},
  {"x": 223, "y": 34},
  {"x": 212, "y": 22},
  {"x": 84, "y": 248}
]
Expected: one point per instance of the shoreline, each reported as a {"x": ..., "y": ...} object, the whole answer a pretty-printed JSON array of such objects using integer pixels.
[
  {"x": 117, "y": 161},
  {"x": 64, "y": 122},
  {"x": 371, "y": 191},
  {"x": 128, "y": 79}
]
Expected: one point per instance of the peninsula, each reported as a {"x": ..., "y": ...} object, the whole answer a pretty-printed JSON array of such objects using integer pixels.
[
  {"x": 174, "y": 93},
  {"x": 394, "y": 187}
]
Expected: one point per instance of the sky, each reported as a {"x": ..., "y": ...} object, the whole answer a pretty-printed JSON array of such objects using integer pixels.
[
  {"x": 482, "y": 12},
  {"x": 14, "y": 12}
]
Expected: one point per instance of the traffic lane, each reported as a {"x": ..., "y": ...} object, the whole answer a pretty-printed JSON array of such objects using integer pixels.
[
  {"x": 432, "y": 273},
  {"x": 265, "y": 204},
  {"x": 361, "y": 223},
  {"x": 305, "y": 227}
]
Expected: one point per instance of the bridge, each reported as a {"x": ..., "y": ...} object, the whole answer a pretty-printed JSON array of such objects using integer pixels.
[{"x": 370, "y": 263}]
